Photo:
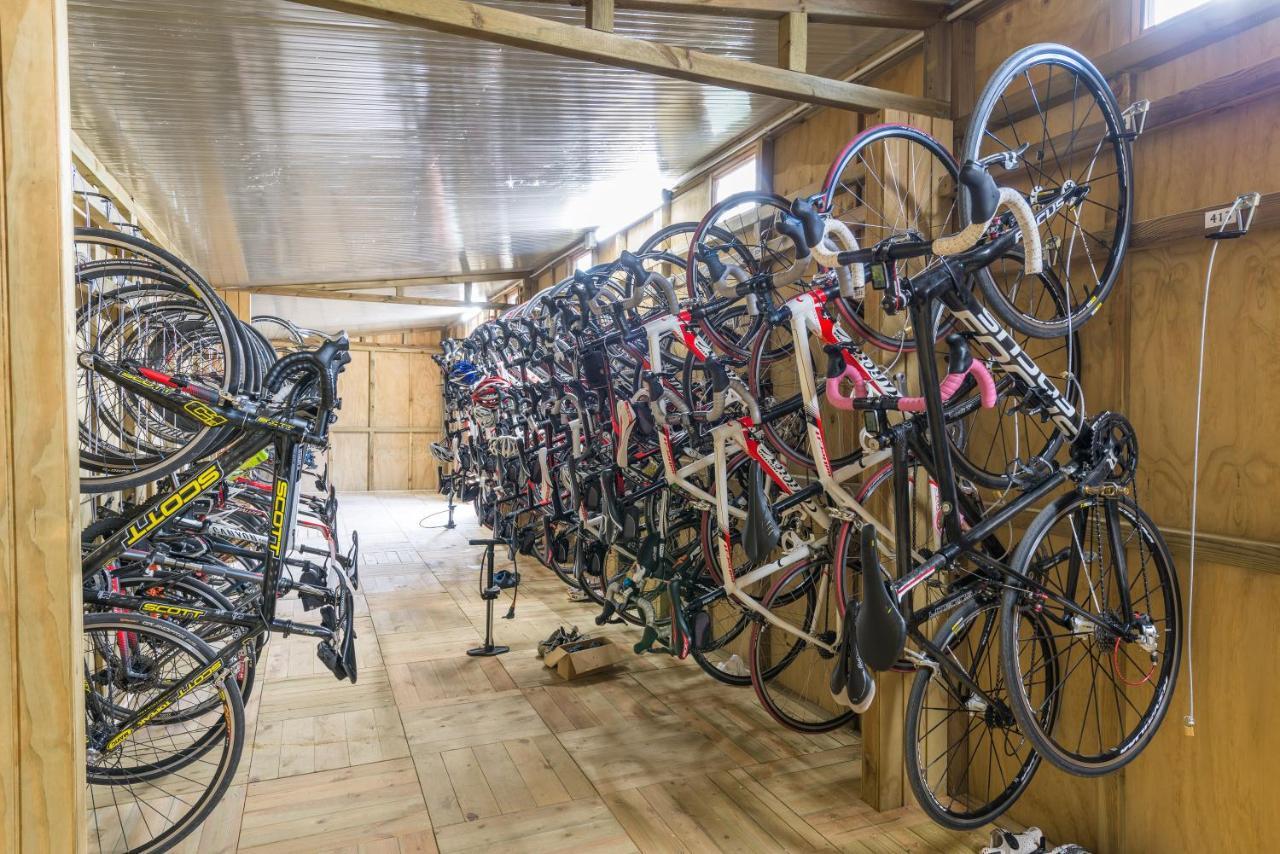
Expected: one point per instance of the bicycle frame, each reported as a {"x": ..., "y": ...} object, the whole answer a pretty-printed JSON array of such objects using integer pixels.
[
  {"x": 288, "y": 440},
  {"x": 960, "y": 540}
]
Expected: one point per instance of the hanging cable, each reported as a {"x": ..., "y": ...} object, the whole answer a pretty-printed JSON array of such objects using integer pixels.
[{"x": 1244, "y": 206}]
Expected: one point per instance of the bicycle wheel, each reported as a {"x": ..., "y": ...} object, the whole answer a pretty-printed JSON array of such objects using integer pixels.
[
  {"x": 740, "y": 232},
  {"x": 562, "y": 544},
  {"x": 722, "y": 651},
  {"x": 891, "y": 182},
  {"x": 1118, "y": 639},
  {"x": 649, "y": 573},
  {"x": 876, "y": 495},
  {"x": 791, "y": 674},
  {"x": 138, "y": 304},
  {"x": 182, "y": 591},
  {"x": 967, "y": 762},
  {"x": 1051, "y": 99},
  {"x": 154, "y": 787}
]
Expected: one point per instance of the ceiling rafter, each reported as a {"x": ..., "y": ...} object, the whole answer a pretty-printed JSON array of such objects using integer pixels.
[
  {"x": 896, "y": 14},
  {"x": 486, "y": 23},
  {"x": 95, "y": 172},
  {"x": 407, "y": 282},
  {"x": 437, "y": 302}
]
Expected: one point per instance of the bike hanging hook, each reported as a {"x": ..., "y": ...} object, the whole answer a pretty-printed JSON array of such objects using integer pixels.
[{"x": 1134, "y": 117}]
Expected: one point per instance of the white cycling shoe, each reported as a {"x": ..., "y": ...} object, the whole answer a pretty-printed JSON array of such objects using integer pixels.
[{"x": 1030, "y": 841}]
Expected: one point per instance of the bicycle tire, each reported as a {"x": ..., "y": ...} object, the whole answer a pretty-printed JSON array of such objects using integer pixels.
[
  {"x": 211, "y": 793},
  {"x": 982, "y": 132},
  {"x": 973, "y": 812},
  {"x": 1108, "y": 758}
]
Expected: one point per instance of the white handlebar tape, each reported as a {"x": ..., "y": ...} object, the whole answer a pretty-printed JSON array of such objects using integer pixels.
[
  {"x": 1034, "y": 254},
  {"x": 1033, "y": 263},
  {"x": 963, "y": 241},
  {"x": 836, "y": 239}
]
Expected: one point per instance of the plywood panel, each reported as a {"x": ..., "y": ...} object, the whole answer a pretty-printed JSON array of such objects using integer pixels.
[
  {"x": 353, "y": 388},
  {"x": 389, "y": 393},
  {"x": 424, "y": 473},
  {"x": 1082, "y": 24},
  {"x": 692, "y": 202},
  {"x": 1240, "y": 463},
  {"x": 349, "y": 461},
  {"x": 390, "y": 461},
  {"x": 423, "y": 381}
]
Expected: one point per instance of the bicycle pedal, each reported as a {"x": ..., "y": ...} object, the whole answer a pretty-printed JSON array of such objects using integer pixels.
[{"x": 330, "y": 658}]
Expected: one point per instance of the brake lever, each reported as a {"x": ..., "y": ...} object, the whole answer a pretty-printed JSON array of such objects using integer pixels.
[{"x": 1008, "y": 159}]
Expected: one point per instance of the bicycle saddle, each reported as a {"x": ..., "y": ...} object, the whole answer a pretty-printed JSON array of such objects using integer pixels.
[{"x": 762, "y": 533}]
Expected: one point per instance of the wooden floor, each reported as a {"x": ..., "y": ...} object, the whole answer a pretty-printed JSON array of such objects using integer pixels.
[{"x": 435, "y": 751}]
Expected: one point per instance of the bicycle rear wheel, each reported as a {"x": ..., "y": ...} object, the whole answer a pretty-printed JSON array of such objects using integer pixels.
[
  {"x": 1053, "y": 100},
  {"x": 1118, "y": 640},
  {"x": 792, "y": 674}
]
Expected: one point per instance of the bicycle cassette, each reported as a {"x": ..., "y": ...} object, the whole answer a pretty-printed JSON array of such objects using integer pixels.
[{"x": 1107, "y": 450}]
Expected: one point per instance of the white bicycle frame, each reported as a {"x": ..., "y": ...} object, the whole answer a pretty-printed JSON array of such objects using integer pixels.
[{"x": 732, "y": 432}]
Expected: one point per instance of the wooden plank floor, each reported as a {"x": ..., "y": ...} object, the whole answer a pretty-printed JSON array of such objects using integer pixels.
[{"x": 435, "y": 751}]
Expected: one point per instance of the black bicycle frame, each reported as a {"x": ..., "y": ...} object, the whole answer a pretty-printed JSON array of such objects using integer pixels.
[{"x": 286, "y": 437}]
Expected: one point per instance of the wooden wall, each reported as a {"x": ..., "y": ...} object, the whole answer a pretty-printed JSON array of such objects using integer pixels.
[
  {"x": 1213, "y": 790},
  {"x": 391, "y": 413},
  {"x": 42, "y": 768}
]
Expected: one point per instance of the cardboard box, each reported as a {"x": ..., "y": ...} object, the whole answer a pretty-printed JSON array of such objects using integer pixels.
[{"x": 579, "y": 658}]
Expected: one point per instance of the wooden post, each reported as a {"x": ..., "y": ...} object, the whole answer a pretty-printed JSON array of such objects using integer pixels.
[
  {"x": 937, "y": 61},
  {"x": 793, "y": 41},
  {"x": 964, "y": 71},
  {"x": 764, "y": 165},
  {"x": 42, "y": 777},
  {"x": 600, "y": 15}
]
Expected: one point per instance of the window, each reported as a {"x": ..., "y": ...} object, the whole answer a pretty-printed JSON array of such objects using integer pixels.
[
  {"x": 584, "y": 261},
  {"x": 1159, "y": 11},
  {"x": 739, "y": 178}
]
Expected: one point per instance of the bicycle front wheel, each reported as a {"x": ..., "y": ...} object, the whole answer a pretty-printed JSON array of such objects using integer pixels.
[
  {"x": 1052, "y": 100},
  {"x": 155, "y": 786}
]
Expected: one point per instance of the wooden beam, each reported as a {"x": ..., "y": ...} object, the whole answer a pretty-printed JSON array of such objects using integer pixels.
[
  {"x": 411, "y": 282},
  {"x": 1190, "y": 224},
  {"x": 439, "y": 302},
  {"x": 42, "y": 738},
  {"x": 97, "y": 173},
  {"x": 793, "y": 41},
  {"x": 1187, "y": 32},
  {"x": 600, "y": 15},
  {"x": 471, "y": 20},
  {"x": 898, "y": 14},
  {"x": 964, "y": 75},
  {"x": 1221, "y": 93},
  {"x": 1211, "y": 96}
]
